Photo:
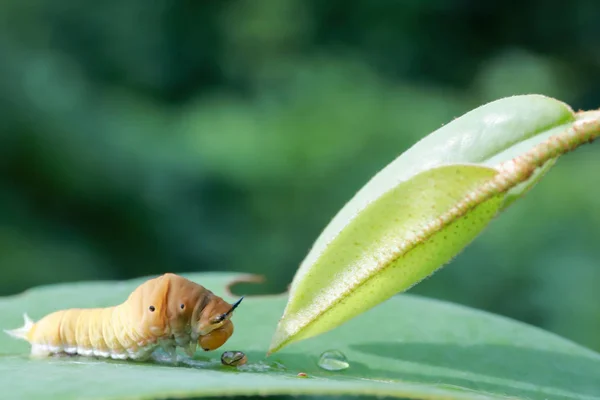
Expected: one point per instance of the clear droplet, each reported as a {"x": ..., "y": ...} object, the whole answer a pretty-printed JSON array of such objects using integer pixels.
[
  {"x": 333, "y": 360},
  {"x": 233, "y": 358}
]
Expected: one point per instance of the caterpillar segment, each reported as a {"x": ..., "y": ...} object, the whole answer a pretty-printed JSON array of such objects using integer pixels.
[{"x": 165, "y": 312}]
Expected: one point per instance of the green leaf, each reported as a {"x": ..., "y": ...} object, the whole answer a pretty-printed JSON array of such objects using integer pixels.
[
  {"x": 368, "y": 262},
  {"x": 407, "y": 347},
  {"x": 407, "y": 221}
]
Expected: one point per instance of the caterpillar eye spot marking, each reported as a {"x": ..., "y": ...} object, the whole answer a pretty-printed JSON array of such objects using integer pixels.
[
  {"x": 126, "y": 331},
  {"x": 222, "y": 317}
]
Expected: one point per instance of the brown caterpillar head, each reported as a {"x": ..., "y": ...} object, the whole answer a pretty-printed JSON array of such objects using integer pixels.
[
  {"x": 214, "y": 325},
  {"x": 216, "y": 338},
  {"x": 167, "y": 303},
  {"x": 171, "y": 304}
]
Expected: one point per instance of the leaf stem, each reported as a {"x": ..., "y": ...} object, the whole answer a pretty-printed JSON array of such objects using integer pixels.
[{"x": 584, "y": 130}]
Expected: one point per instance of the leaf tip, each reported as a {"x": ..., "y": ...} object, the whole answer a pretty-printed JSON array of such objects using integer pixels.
[
  {"x": 283, "y": 335},
  {"x": 276, "y": 343}
]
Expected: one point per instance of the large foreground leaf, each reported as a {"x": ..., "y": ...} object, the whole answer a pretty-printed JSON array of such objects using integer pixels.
[
  {"x": 407, "y": 347},
  {"x": 420, "y": 211}
]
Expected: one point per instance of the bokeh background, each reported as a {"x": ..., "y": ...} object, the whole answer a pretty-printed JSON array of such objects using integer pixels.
[{"x": 142, "y": 137}]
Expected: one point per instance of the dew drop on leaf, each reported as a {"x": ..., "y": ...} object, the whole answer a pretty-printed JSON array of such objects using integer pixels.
[
  {"x": 233, "y": 358},
  {"x": 333, "y": 360}
]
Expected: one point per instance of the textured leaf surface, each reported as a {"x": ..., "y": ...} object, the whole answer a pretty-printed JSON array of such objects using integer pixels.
[
  {"x": 369, "y": 262},
  {"x": 407, "y": 347},
  {"x": 385, "y": 239}
]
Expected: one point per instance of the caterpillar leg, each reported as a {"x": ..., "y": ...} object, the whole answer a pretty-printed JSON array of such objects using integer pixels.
[
  {"x": 170, "y": 348},
  {"x": 40, "y": 351},
  {"x": 186, "y": 343},
  {"x": 190, "y": 349}
]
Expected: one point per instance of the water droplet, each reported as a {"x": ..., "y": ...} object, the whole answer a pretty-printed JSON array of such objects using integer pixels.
[
  {"x": 233, "y": 358},
  {"x": 333, "y": 360}
]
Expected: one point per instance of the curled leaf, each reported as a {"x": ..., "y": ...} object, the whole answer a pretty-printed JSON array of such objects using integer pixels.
[{"x": 419, "y": 212}]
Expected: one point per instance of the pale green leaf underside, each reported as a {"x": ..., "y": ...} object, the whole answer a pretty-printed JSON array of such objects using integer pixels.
[
  {"x": 488, "y": 135},
  {"x": 365, "y": 254},
  {"x": 374, "y": 257},
  {"x": 407, "y": 347}
]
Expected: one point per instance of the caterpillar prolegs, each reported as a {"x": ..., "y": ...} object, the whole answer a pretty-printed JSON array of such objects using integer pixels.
[{"x": 168, "y": 312}]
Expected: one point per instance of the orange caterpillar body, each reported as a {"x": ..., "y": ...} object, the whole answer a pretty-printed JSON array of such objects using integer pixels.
[{"x": 168, "y": 312}]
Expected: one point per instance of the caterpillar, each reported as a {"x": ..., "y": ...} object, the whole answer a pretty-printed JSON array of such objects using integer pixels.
[{"x": 166, "y": 312}]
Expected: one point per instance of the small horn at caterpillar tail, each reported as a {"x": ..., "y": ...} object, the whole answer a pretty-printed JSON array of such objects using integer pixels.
[{"x": 22, "y": 332}]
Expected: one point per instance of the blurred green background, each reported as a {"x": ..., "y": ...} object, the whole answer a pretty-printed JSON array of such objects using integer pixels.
[{"x": 142, "y": 137}]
